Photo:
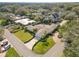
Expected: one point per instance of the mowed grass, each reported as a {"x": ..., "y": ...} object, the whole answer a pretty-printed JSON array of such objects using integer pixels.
[
  {"x": 23, "y": 36},
  {"x": 43, "y": 47},
  {"x": 2, "y": 20},
  {"x": 11, "y": 53}
]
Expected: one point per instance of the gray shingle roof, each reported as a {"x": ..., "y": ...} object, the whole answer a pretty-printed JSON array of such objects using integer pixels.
[{"x": 46, "y": 31}]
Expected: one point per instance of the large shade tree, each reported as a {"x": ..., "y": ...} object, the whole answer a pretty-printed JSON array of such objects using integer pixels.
[{"x": 70, "y": 33}]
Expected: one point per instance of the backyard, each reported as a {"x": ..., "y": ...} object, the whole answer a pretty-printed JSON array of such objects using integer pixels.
[
  {"x": 23, "y": 36},
  {"x": 42, "y": 47},
  {"x": 11, "y": 53}
]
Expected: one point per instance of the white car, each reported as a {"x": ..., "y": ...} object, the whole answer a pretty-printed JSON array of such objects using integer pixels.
[{"x": 4, "y": 48}]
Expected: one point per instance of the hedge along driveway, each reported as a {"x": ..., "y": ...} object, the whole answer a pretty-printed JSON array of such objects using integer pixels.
[
  {"x": 42, "y": 47},
  {"x": 23, "y": 36}
]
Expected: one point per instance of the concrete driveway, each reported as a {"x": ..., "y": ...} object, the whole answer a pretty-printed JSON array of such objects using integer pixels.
[{"x": 30, "y": 44}]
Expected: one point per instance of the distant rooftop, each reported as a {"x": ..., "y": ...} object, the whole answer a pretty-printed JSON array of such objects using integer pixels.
[{"x": 24, "y": 21}]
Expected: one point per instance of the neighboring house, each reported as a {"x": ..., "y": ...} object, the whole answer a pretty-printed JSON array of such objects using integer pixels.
[
  {"x": 25, "y": 21},
  {"x": 54, "y": 17},
  {"x": 41, "y": 26},
  {"x": 30, "y": 28},
  {"x": 37, "y": 27},
  {"x": 9, "y": 14},
  {"x": 15, "y": 17}
]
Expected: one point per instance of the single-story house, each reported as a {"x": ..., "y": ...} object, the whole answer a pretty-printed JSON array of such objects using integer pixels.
[
  {"x": 54, "y": 17},
  {"x": 45, "y": 31}
]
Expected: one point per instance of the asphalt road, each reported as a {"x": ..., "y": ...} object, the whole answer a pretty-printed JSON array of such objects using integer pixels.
[{"x": 18, "y": 45}]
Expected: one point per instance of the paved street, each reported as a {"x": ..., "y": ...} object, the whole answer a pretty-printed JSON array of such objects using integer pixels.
[{"x": 19, "y": 46}]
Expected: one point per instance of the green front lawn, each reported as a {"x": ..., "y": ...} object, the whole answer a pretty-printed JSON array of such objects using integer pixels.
[
  {"x": 42, "y": 47},
  {"x": 11, "y": 53},
  {"x": 23, "y": 36},
  {"x": 3, "y": 22}
]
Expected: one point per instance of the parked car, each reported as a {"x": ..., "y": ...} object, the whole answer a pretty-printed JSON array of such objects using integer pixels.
[
  {"x": 4, "y": 43},
  {"x": 5, "y": 48}
]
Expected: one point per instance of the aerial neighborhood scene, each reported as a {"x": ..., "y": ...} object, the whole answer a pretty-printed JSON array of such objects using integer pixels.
[{"x": 39, "y": 29}]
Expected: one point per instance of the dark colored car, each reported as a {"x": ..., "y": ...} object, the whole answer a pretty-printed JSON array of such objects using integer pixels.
[{"x": 4, "y": 43}]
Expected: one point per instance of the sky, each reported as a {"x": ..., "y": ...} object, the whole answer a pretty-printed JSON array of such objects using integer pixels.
[{"x": 39, "y": 1}]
